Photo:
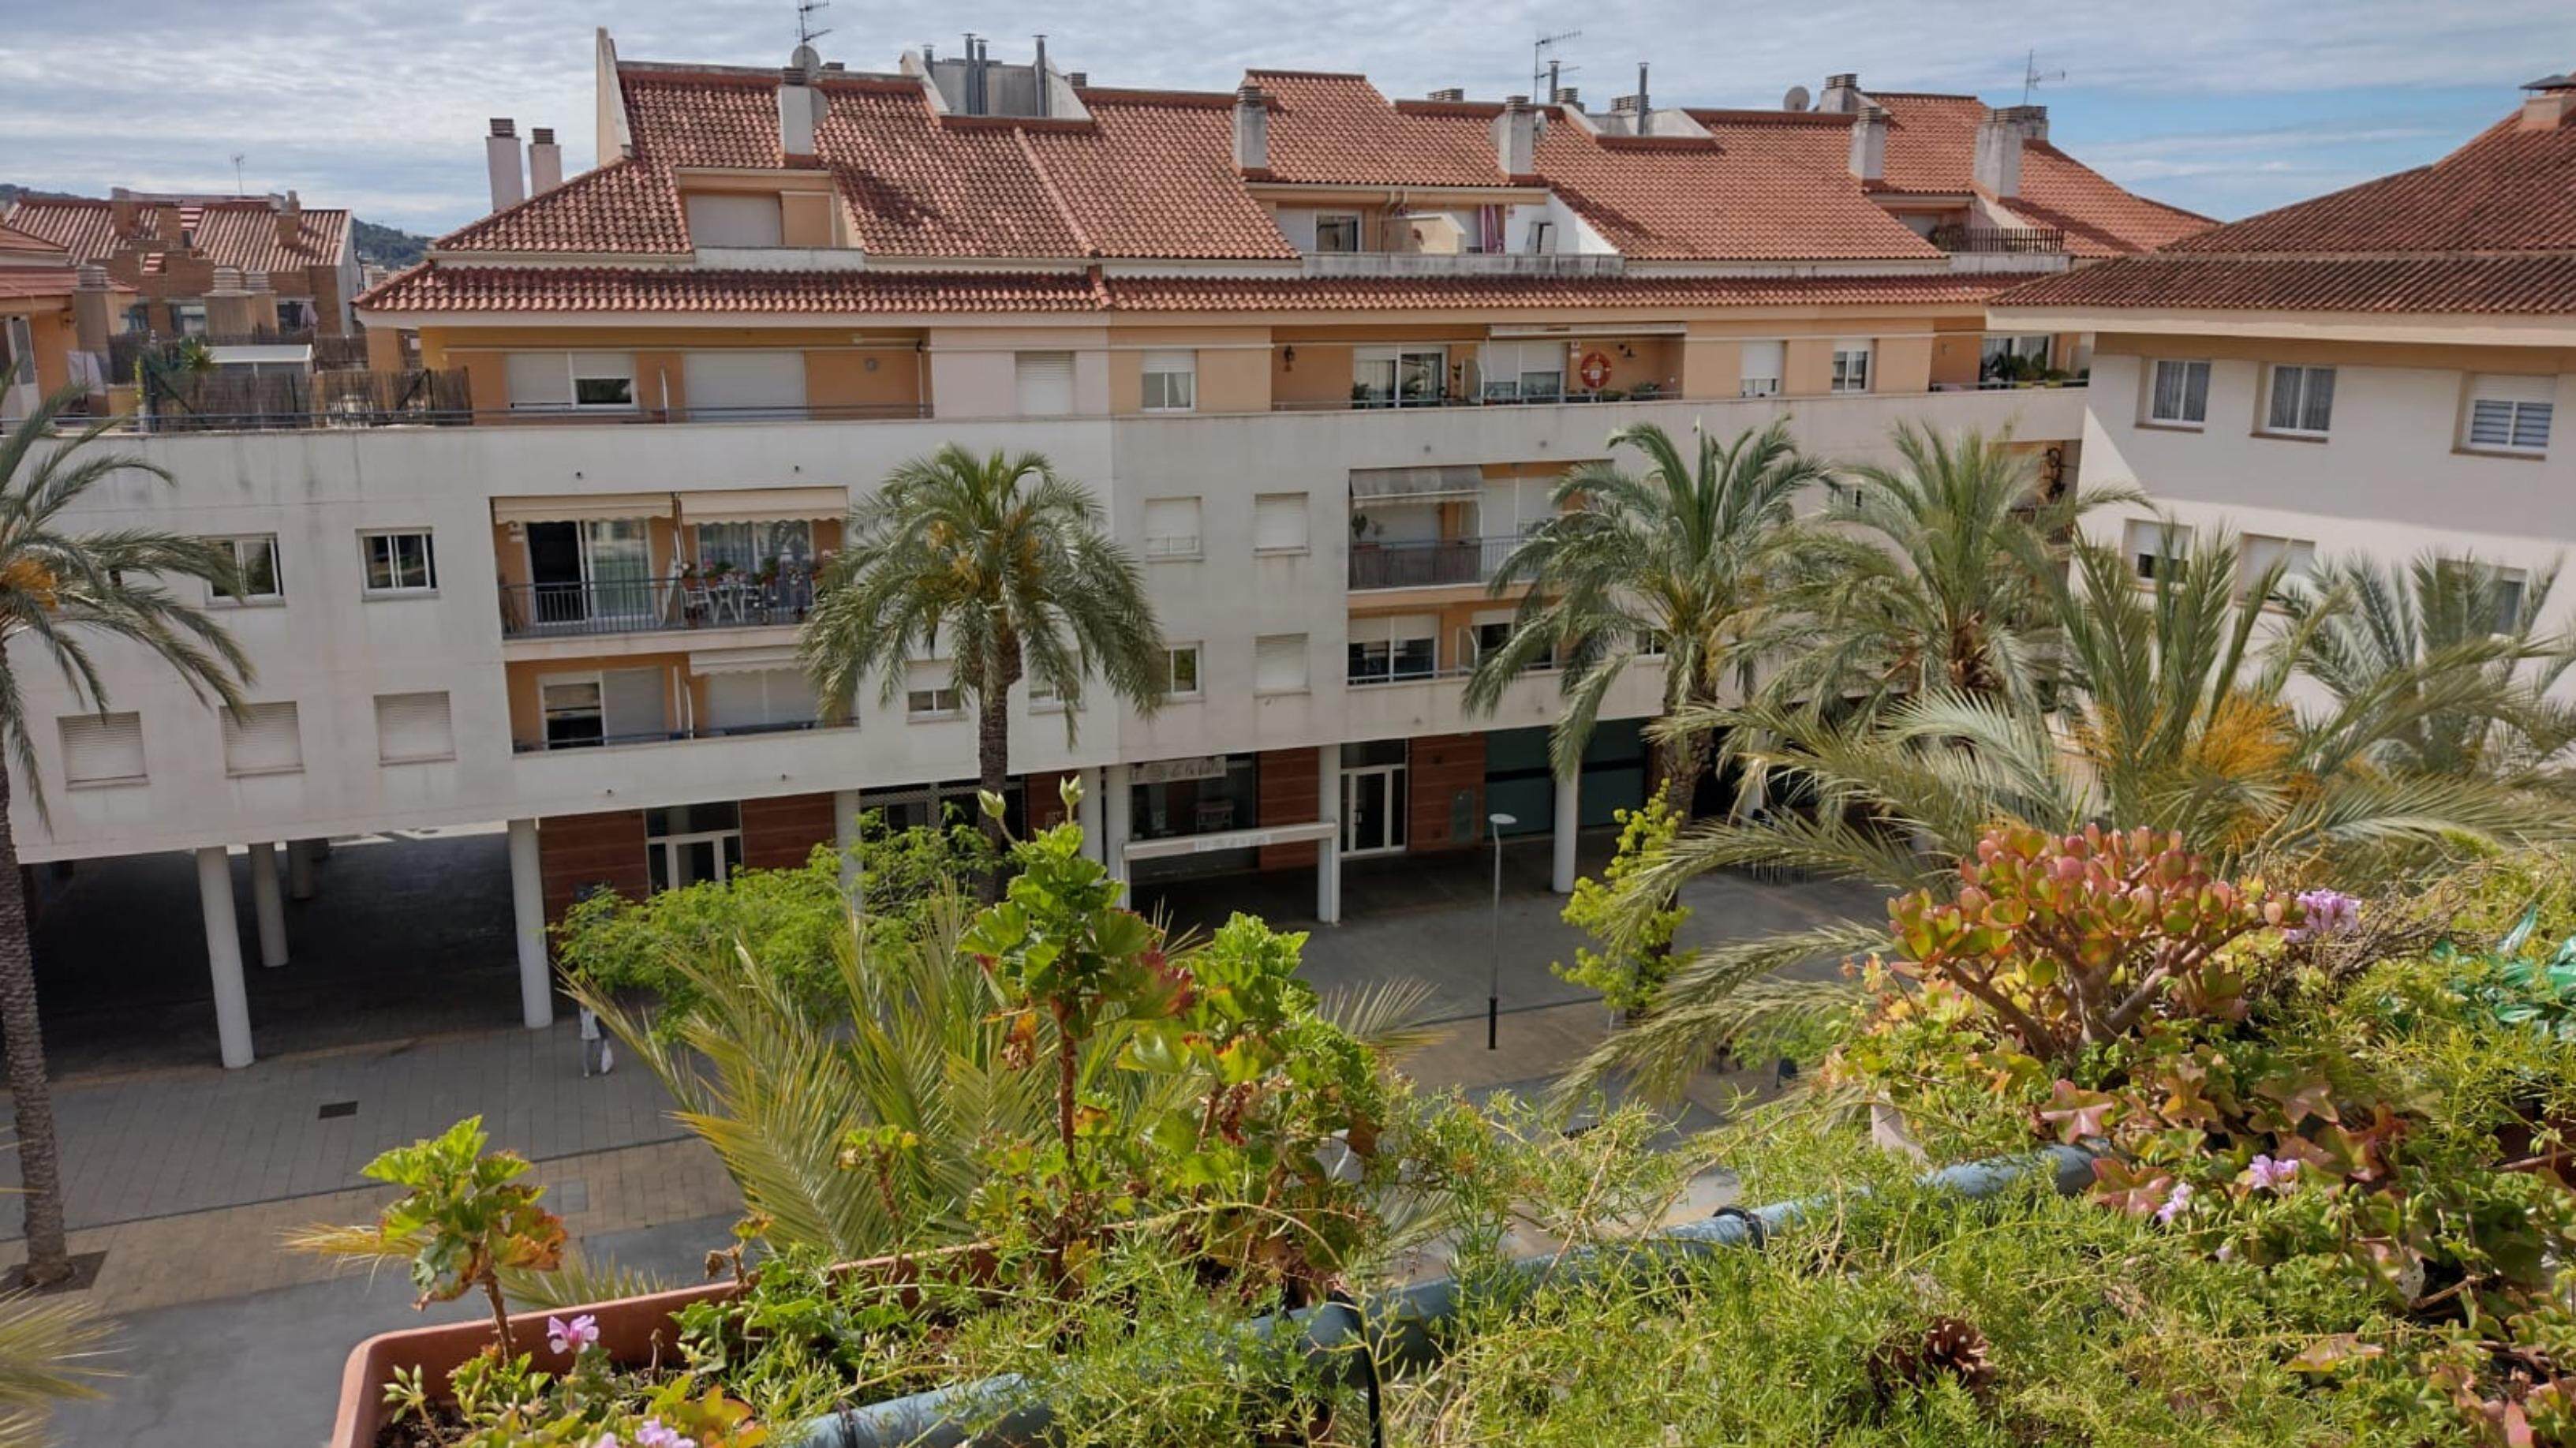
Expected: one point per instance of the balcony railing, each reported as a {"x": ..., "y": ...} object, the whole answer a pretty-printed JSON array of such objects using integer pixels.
[
  {"x": 572, "y": 610},
  {"x": 1368, "y": 399},
  {"x": 1429, "y": 564},
  {"x": 174, "y": 399},
  {"x": 1990, "y": 240},
  {"x": 1464, "y": 263},
  {"x": 666, "y": 736}
]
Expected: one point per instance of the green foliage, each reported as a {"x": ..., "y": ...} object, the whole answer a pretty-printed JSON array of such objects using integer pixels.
[
  {"x": 2516, "y": 988},
  {"x": 1634, "y": 958}
]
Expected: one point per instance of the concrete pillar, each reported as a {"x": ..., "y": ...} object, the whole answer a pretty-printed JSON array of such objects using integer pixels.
[
  {"x": 1115, "y": 822},
  {"x": 223, "y": 954},
  {"x": 528, "y": 907},
  {"x": 1569, "y": 819},
  {"x": 845, "y": 837},
  {"x": 299, "y": 869},
  {"x": 1328, "y": 852},
  {"x": 268, "y": 903},
  {"x": 1087, "y": 814}
]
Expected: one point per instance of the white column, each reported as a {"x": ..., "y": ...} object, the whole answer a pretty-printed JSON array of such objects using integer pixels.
[
  {"x": 223, "y": 954},
  {"x": 1114, "y": 821},
  {"x": 528, "y": 906},
  {"x": 1087, "y": 814},
  {"x": 268, "y": 904},
  {"x": 299, "y": 869},
  {"x": 1328, "y": 851},
  {"x": 1569, "y": 818},
  {"x": 845, "y": 835}
]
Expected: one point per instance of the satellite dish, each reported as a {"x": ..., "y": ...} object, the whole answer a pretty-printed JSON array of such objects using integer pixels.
[
  {"x": 806, "y": 58},
  {"x": 1795, "y": 100}
]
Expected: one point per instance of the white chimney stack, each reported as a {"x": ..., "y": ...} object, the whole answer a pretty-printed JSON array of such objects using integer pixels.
[
  {"x": 1842, "y": 93},
  {"x": 501, "y": 152},
  {"x": 1251, "y": 128},
  {"x": 796, "y": 105},
  {"x": 1999, "y": 143},
  {"x": 1869, "y": 143},
  {"x": 1516, "y": 137},
  {"x": 545, "y": 161},
  {"x": 2548, "y": 101}
]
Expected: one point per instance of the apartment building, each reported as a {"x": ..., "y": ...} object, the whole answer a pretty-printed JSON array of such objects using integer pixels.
[
  {"x": 2375, "y": 371},
  {"x": 54, "y": 320},
  {"x": 1320, "y": 354},
  {"x": 221, "y": 266}
]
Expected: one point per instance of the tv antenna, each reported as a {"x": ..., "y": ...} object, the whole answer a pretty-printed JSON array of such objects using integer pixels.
[
  {"x": 807, "y": 32},
  {"x": 237, "y": 175},
  {"x": 1544, "y": 70},
  {"x": 2032, "y": 77}
]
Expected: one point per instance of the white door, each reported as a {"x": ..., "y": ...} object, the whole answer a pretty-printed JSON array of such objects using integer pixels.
[
  {"x": 1373, "y": 809},
  {"x": 617, "y": 563}
]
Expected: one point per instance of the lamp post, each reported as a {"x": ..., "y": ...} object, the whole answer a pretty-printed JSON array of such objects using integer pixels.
[{"x": 1494, "y": 958}]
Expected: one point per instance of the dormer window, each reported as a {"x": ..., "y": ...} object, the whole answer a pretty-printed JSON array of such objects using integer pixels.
[
  {"x": 1337, "y": 232},
  {"x": 723, "y": 219}
]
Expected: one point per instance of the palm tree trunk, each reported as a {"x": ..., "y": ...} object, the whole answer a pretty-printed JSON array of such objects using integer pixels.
[
  {"x": 993, "y": 776},
  {"x": 31, "y": 1096}
]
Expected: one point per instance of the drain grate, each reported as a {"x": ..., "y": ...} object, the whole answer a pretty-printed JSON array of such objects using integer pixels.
[{"x": 338, "y": 1108}]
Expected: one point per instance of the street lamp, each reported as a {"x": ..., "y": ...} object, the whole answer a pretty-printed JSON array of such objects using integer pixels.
[{"x": 1494, "y": 960}]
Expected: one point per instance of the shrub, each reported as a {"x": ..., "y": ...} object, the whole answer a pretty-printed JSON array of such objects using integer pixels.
[{"x": 1636, "y": 956}]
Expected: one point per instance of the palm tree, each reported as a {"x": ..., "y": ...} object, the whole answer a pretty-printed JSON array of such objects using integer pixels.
[
  {"x": 58, "y": 591},
  {"x": 2175, "y": 714},
  {"x": 1007, "y": 570},
  {"x": 1683, "y": 559},
  {"x": 1939, "y": 574}
]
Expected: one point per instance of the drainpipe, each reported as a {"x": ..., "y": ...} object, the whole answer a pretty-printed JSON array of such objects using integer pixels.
[{"x": 1403, "y": 1327}]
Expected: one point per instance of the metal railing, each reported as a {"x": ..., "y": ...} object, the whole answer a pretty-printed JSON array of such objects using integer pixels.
[
  {"x": 1988, "y": 240},
  {"x": 173, "y": 399},
  {"x": 668, "y": 736},
  {"x": 1464, "y": 263},
  {"x": 1364, "y": 399},
  {"x": 1429, "y": 563},
  {"x": 650, "y": 605}
]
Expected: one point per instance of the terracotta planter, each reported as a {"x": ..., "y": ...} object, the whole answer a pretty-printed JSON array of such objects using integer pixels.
[{"x": 634, "y": 1331}]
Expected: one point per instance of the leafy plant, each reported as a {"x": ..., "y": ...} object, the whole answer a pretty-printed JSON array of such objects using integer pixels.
[
  {"x": 1634, "y": 956},
  {"x": 2519, "y": 990}
]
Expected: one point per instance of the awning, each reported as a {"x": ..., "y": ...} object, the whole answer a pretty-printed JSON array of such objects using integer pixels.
[
  {"x": 743, "y": 661},
  {"x": 1417, "y": 485},
  {"x": 764, "y": 505},
  {"x": 581, "y": 508},
  {"x": 1230, "y": 840}
]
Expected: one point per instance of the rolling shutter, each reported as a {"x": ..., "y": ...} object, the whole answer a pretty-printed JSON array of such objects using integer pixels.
[
  {"x": 1279, "y": 523},
  {"x": 1046, "y": 383},
  {"x": 540, "y": 379},
  {"x": 1279, "y": 663},
  {"x": 411, "y": 728},
  {"x": 759, "y": 699},
  {"x": 102, "y": 748},
  {"x": 1171, "y": 527},
  {"x": 263, "y": 739},
  {"x": 632, "y": 704},
  {"x": 747, "y": 386}
]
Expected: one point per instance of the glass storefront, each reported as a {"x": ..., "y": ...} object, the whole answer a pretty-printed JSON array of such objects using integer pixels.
[{"x": 1171, "y": 798}]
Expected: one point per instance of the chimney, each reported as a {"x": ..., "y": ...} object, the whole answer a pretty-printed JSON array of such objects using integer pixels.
[
  {"x": 1999, "y": 141},
  {"x": 796, "y": 106},
  {"x": 1645, "y": 106},
  {"x": 227, "y": 305},
  {"x": 1842, "y": 93},
  {"x": 290, "y": 219},
  {"x": 1452, "y": 95},
  {"x": 545, "y": 161},
  {"x": 1516, "y": 137},
  {"x": 91, "y": 312},
  {"x": 1567, "y": 95},
  {"x": 1251, "y": 128},
  {"x": 121, "y": 212},
  {"x": 1039, "y": 66},
  {"x": 1077, "y": 78},
  {"x": 1869, "y": 143},
  {"x": 261, "y": 305},
  {"x": 501, "y": 154},
  {"x": 2548, "y": 102}
]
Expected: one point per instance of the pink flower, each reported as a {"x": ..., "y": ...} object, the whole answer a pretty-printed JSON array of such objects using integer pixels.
[
  {"x": 2328, "y": 912},
  {"x": 573, "y": 1336},
  {"x": 2269, "y": 1174},
  {"x": 654, "y": 1435},
  {"x": 2175, "y": 1204},
  {"x": 607, "y": 1440}
]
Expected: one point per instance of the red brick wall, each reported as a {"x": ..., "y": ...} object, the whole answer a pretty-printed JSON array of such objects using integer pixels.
[
  {"x": 575, "y": 852},
  {"x": 1044, "y": 798},
  {"x": 1438, "y": 767},
  {"x": 777, "y": 834},
  {"x": 1289, "y": 795}
]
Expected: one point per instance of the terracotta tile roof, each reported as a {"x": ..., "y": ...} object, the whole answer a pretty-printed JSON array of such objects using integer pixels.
[
  {"x": 430, "y": 287},
  {"x": 18, "y": 283},
  {"x": 1159, "y": 173},
  {"x": 1932, "y": 147},
  {"x": 1327, "y": 128},
  {"x": 1190, "y": 294},
  {"x": 228, "y": 231},
  {"x": 2490, "y": 228},
  {"x": 1755, "y": 191},
  {"x": 624, "y": 206},
  {"x": 17, "y": 240}
]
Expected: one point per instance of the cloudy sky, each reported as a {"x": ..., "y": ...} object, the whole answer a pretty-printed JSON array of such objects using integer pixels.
[{"x": 2224, "y": 106}]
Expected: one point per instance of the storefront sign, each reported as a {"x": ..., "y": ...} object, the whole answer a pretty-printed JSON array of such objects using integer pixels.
[{"x": 1173, "y": 771}]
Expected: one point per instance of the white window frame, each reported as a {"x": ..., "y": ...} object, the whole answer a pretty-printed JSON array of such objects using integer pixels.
[
  {"x": 1176, "y": 547},
  {"x": 2255, "y": 552},
  {"x": 1274, "y": 505},
  {"x": 1280, "y": 647},
  {"x": 1506, "y": 367},
  {"x": 928, "y": 700},
  {"x": 1751, "y": 384},
  {"x": 2273, "y": 376},
  {"x": 242, "y": 546},
  {"x": 2521, "y": 415},
  {"x": 1852, "y": 365},
  {"x": 446, "y": 711},
  {"x": 1358, "y": 228},
  {"x": 265, "y": 713},
  {"x": 2142, "y": 539},
  {"x": 1395, "y": 357},
  {"x": 769, "y": 223},
  {"x": 2185, "y": 417},
  {"x": 1173, "y": 654},
  {"x": 1176, "y": 370},
  {"x": 580, "y": 367},
  {"x": 367, "y": 539},
  {"x": 1379, "y": 631},
  {"x": 122, "y": 721},
  {"x": 1022, "y": 366}
]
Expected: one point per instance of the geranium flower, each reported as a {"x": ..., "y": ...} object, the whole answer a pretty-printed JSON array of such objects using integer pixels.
[
  {"x": 2329, "y": 912},
  {"x": 573, "y": 1336},
  {"x": 2271, "y": 1174}
]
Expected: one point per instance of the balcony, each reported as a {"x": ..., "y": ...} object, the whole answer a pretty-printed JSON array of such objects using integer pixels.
[
  {"x": 1998, "y": 240},
  {"x": 733, "y": 600},
  {"x": 1429, "y": 564},
  {"x": 671, "y": 736},
  {"x": 1464, "y": 264}
]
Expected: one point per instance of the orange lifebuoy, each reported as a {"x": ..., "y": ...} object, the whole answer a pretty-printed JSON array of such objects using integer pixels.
[{"x": 1595, "y": 370}]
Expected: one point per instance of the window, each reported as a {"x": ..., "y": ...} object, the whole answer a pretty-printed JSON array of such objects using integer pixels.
[
  {"x": 2477, "y": 585},
  {"x": 1171, "y": 381},
  {"x": 102, "y": 748},
  {"x": 1181, "y": 671},
  {"x": 2256, "y": 552},
  {"x": 1492, "y": 633},
  {"x": 1045, "y": 383},
  {"x": 756, "y": 701},
  {"x": 262, "y": 739},
  {"x": 720, "y": 219},
  {"x": 2180, "y": 392},
  {"x": 744, "y": 386},
  {"x": 571, "y": 381},
  {"x": 2012, "y": 359},
  {"x": 1279, "y": 664},
  {"x": 572, "y": 714},
  {"x": 614, "y": 706},
  {"x": 1279, "y": 523},
  {"x": 752, "y": 548},
  {"x": 293, "y": 315},
  {"x": 2302, "y": 400},
  {"x": 2149, "y": 543},
  {"x": 2510, "y": 414},
  {"x": 413, "y": 728},
  {"x": 188, "y": 318},
  {"x": 692, "y": 844},
  {"x": 255, "y": 559},
  {"x": 1171, "y": 527},
  {"x": 930, "y": 691},
  {"x": 1524, "y": 371},
  {"x": 399, "y": 561},
  {"x": 1763, "y": 364},
  {"x": 1396, "y": 646},
  {"x": 1399, "y": 376},
  {"x": 1337, "y": 232},
  {"x": 1851, "y": 367}
]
